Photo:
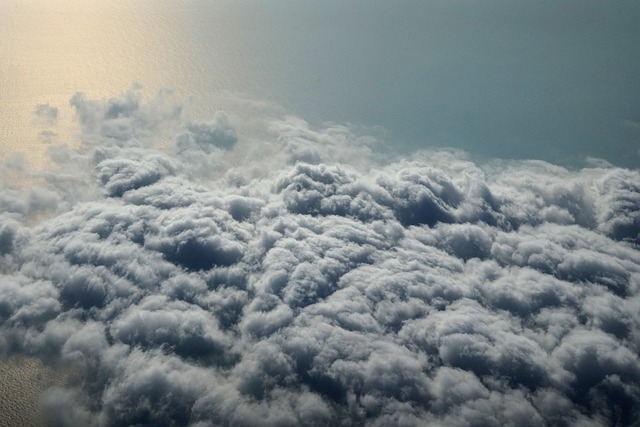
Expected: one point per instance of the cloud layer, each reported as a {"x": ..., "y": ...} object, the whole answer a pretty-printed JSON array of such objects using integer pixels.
[{"x": 301, "y": 279}]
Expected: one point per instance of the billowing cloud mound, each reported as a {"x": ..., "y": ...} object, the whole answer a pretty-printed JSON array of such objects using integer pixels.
[{"x": 300, "y": 280}]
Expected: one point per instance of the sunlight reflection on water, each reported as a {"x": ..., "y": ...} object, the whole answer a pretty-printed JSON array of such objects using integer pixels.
[
  {"x": 22, "y": 380},
  {"x": 510, "y": 80},
  {"x": 52, "y": 49}
]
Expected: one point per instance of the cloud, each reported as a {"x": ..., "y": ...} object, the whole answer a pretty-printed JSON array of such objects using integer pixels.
[
  {"x": 200, "y": 284},
  {"x": 46, "y": 114},
  {"x": 619, "y": 203},
  {"x": 207, "y": 135}
]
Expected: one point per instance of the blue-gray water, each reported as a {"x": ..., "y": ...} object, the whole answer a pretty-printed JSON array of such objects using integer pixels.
[
  {"x": 552, "y": 80},
  {"x": 549, "y": 80}
]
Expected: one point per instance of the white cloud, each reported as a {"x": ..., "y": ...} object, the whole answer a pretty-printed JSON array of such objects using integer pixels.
[{"x": 316, "y": 282}]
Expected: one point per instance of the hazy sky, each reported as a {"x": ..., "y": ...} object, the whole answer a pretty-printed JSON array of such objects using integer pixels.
[{"x": 284, "y": 241}]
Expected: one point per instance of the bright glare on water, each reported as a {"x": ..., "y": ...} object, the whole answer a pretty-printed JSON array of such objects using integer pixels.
[{"x": 547, "y": 80}]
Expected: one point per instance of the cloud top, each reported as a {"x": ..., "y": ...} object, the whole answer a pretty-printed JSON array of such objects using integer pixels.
[{"x": 202, "y": 284}]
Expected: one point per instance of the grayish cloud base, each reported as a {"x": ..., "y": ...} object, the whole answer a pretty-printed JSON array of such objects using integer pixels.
[{"x": 300, "y": 278}]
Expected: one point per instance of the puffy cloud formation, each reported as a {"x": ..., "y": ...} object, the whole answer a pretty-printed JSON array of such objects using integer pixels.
[{"x": 301, "y": 279}]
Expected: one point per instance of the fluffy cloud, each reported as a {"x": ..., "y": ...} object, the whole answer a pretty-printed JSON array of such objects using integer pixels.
[
  {"x": 302, "y": 288},
  {"x": 205, "y": 136}
]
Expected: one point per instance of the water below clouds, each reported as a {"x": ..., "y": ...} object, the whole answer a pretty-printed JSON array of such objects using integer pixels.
[
  {"x": 281, "y": 238},
  {"x": 550, "y": 81}
]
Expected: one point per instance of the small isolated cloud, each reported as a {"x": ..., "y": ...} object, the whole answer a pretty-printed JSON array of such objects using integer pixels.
[
  {"x": 316, "y": 283},
  {"x": 48, "y": 137},
  {"x": 46, "y": 114}
]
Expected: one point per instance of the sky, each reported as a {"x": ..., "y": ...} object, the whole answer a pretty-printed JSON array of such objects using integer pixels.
[{"x": 279, "y": 213}]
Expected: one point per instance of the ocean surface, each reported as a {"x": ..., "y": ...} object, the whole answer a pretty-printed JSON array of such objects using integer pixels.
[{"x": 558, "y": 81}]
